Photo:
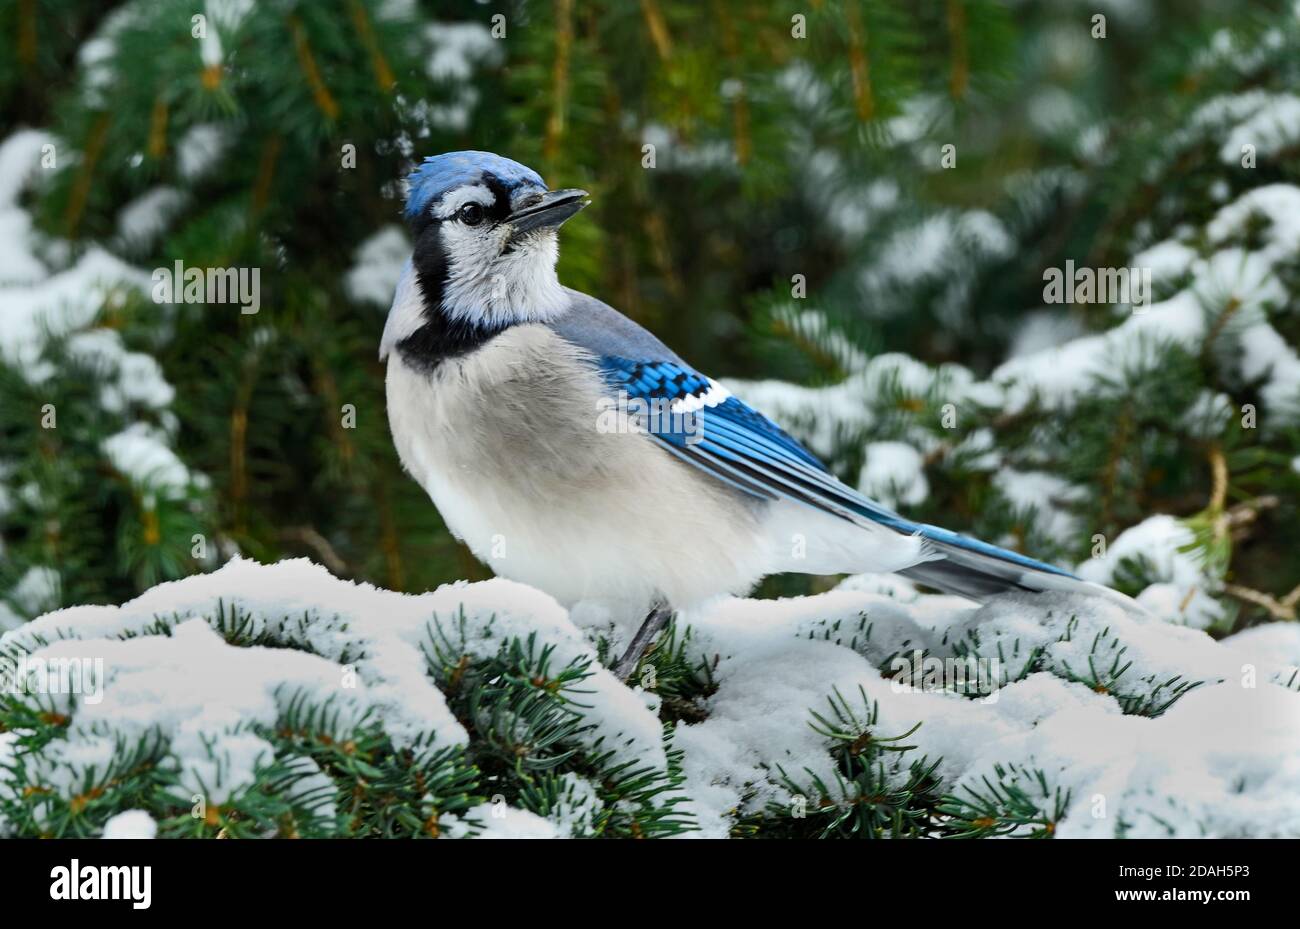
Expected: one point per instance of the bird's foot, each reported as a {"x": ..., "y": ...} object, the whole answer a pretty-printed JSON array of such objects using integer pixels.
[{"x": 653, "y": 624}]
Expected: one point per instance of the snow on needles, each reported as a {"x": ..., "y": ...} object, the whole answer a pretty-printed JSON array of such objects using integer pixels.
[
  {"x": 203, "y": 695},
  {"x": 1180, "y": 773},
  {"x": 1146, "y": 728},
  {"x": 1235, "y": 275}
]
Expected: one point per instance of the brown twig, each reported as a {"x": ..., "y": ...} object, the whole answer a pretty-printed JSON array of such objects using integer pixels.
[
  {"x": 81, "y": 186},
  {"x": 158, "y": 128},
  {"x": 654, "y": 20},
  {"x": 1110, "y": 474},
  {"x": 265, "y": 174},
  {"x": 320, "y": 545},
  {"x": 859, "y": 64},
  {"x": 388, "y": 539},
  {"x": 559, "y": 78},
  {"x": 1219, "y": 470},
  {"x": 324, "y": 99},
  {"x": 1283, "y": 609},
  {"x": 959, "y": 80},
  {"x": 27, "y": 33},
  {"x": 383, "y": 73},
  {"x": 740, "y": 104}
]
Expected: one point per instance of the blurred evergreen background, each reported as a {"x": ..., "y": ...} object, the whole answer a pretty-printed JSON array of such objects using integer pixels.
[{"x": 799, "y": 224}]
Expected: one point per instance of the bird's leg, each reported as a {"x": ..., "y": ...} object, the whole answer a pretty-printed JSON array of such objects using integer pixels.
[{"x": 650, "y": 627}]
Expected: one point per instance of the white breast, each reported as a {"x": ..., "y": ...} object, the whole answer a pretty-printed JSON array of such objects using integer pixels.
[{"x": 505, "y": 441}]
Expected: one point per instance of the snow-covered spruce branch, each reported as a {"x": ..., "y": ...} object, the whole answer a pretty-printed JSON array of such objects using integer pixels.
[{"x": 278, "y": 700}]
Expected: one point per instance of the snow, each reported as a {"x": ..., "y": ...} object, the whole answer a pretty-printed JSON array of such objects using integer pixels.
[
  {"x": 505, "y": 822},
  {"x": 52, "y": 298},
  {"x": 8, "y": 618},
  {"x": 200, "y": 149},
  {"x": 1168, "y": 261},
  {"x": 1271, "y": 129},
  {"x": 377, "y": 266},
  {"x": 96, "y": 54},
  {"x": 1183, "y": 585},
  {"x": 128, "y": 377},
  {"x": 140, "y": 453},
  {"x": 1159, "y": 539},
  {"x": 770, "y": 674},
  {"x": 1042, "y": 330},
  {"x": 133, "y": 824},
  {"x": 20, "y": 157},
  {"x": 1246, "y": 280},
  {"x": 675, "y": 153},
  {"x": 939, "y": 247},
  {"x": 1279, "y": 204},
  {"x": 64, "y": 302},
  {"x": 814, "y": 415},
  {"x": 1222, "y": 760},
  {"x": 36, "y": 591},
  {"x": 819, "y": 416},
  {"x": 1268, "y": 358},
  {"x": 813, "y": 327},
  {"x": 457, "y": 48},
  {"x": 1047, "y": 496},
  {"x": 223, "y": 16},
  {"x": 1269, "y": 643},
  {"x": 146, "y": 217},
  {"x": 850, "y": 203},
  {"x": 39, "y": 305},
  {"x": 1054, "y": 111},
  {"x": 200, "y": 694},
  {"x": 1230, "y": 276},
  {"x": 198, "y": 689},
  {"x": 894, "y": 474}
]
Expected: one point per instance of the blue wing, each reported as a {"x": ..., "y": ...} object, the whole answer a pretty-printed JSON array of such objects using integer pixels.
[
  {"x": 701, "y": 423},
  {"x": 738, "y": 445}
]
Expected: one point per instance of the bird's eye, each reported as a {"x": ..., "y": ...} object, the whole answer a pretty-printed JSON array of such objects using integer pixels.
[{"x": 471, "y": 214}]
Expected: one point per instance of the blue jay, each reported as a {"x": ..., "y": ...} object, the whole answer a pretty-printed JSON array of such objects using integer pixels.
[{"x": 501, "y": 385}]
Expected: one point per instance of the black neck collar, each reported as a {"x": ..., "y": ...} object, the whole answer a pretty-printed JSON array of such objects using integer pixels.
[{"x": 440, "y": 337}]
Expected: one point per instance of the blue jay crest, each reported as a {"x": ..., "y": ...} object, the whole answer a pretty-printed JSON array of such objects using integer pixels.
[{"x": 442, "y": 173}]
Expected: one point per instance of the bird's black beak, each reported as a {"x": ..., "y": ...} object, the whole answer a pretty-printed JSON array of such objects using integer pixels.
[{"x": 550, "y": 211}]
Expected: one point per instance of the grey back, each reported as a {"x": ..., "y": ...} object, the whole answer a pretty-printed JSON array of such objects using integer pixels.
[{"x": 603, "y": 330}]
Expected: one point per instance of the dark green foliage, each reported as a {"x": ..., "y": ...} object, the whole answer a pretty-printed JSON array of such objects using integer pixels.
[
  {"x": 679, "y": 673},
  {"x": 331, "y": 774},
  {"x": 1015, "y": 802},
  {"x": 109, "y": 534},
  {"x": 522, "y": 712},
  {"x": 1017, "y": 659},
  {"x": 1105, "y": 669},
  {"x": 381, "y": 791},
  {"x": 878, "y": 792},
  {"x": 875, "y": 792},
  {"x": 326, "y": 778},
  {"x": 702, "y": 248},
  {"x": 132, "y": 779}
]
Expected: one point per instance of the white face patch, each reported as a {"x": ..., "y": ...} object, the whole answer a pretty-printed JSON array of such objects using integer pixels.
[
  {"x": 454, "y": 200},
  {"x": 487, "y": 284}
]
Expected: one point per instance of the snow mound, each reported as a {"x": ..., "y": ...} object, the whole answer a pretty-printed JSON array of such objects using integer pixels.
[{"x": 1116, "y": 723}]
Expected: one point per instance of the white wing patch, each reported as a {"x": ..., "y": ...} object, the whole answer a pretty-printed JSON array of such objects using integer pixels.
[{"x": 710, "y": 398}]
